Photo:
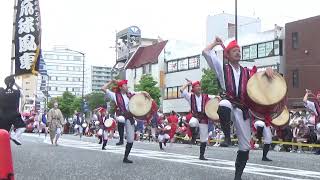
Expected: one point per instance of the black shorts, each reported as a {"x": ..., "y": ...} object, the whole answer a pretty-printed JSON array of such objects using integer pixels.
[{"x": 11, "y": 118}]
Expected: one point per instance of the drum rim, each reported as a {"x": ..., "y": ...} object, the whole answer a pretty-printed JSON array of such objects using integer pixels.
[
  {"x": 274, "y": 119},
  {"x": 260, "y": 102}
]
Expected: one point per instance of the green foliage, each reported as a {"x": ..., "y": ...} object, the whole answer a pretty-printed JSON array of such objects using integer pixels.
[
  {"x": 95, "y": 100},
  {"x": 68, "y": 103},
  {"x": 148, "y": 84},
  {"x": 209, "y": 82}
]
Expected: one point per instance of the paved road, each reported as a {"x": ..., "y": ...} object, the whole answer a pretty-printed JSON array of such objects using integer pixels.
[{"x": 75, "y": 159}]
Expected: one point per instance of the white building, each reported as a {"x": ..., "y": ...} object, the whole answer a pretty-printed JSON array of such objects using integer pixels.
[
  {"x": 99, "y": 76},
  {"x": 223, "y": 25},
  {"x": 65, "y": 73}
]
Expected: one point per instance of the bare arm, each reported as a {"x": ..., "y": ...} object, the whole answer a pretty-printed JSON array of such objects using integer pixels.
[
  {"x": 107, "y": 86},
  {"x": 305, "y": 98}
]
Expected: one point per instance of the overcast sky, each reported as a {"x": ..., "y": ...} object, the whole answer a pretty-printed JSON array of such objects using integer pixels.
[{"x": 90, "y": 25}]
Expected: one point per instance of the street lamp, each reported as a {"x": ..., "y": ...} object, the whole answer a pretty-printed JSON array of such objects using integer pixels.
[{"x": 82, "y": 93}]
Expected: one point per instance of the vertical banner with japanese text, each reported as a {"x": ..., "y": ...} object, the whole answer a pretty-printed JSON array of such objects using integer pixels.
[{"x": 27, "y": 38}]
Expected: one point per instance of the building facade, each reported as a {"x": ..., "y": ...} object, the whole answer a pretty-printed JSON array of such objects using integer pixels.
[
  {"x": 302, "y": 58},
  {"x": 99, "y": 76},
  {"x": 64, "y": 73},
  {"x": 223, "y": 25}
]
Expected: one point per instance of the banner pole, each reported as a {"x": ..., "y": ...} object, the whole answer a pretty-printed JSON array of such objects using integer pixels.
[{"x": 13, "y": 37}]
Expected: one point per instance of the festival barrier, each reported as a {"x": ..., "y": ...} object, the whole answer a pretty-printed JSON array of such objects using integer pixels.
[{"x": 6, "y": 167}]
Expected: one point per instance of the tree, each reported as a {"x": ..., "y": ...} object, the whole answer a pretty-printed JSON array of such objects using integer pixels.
[
  {"x": 67, "y": 105},
  {"x": 53, "y": 100},
  {"x": 95, "y": 100},
  {"x": 76, "y": 104},
  {"x": 209, "y": 82},
  {"x": 147, "y": 83}
]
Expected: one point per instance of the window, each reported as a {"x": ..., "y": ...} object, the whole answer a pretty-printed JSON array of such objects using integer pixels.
[
  {"x": 50, "y": 56},
  {"x": 62, "y": 68},
  {"x": 63, "y": 57},
  {"x": 62, "y": 78},
  {"x": 295, "y": 78},
  {"x": 183, "y": 64},
  {"x": 172, "y": 92},
  {"x": 246, "y": 53},
  {"x": 27, "y": 82},
  {"x": 261, "y": 50},
  {"x": 269, "y": 49},
  {"x": 147, "y": 69},
  {"x": 165, "y": 93},
  {"x": 295, "y": 41},
  {"x": 135, "y": 73},
  {"x": 253, "y": 51},
  {"x": 172, "y": 66},
  {"x": 194, "y": 62},
  {"x": 53, "y": 78},
  {"x": 77, "y": 58},
  {"x": 276, "y": 48}
]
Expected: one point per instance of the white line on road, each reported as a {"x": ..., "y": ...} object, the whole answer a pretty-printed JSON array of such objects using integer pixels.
[{"x": 251, "y": 168}]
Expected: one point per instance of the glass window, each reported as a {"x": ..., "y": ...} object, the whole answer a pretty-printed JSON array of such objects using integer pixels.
[
  {"x": 276, "y": 48},
  {"x": 194, "y": 62},
  {"x": 246, "y": 53},
  {"x": 165, "y": 93},
  {"x": 172, "y": 66},
  {"x": 295, "y": 42},
  {"x": 183, "y": 64},
  {"x": 53, "y": 78},
  {"x": 50, "y": 56},
  {"x": 253, "y": 51},
  {"x": 62, "y": 68},
  {"x": 262, "y": 50},
  {"x": 63, "y": 57},
  {"x": 269, "y": 49},
  {"x": 295, "y": 78},
  {"x": 179, "y": 93},
  {"x": 62, "y": 78},
  {"x": 169, "y": 93},
  {"x": 77, "y": 58}
]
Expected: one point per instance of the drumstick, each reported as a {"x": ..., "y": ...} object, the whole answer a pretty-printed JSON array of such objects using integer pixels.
[{"x": 189, "y": 81}]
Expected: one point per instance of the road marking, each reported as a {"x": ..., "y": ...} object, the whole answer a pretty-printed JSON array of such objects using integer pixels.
[{"x": 251, "y": 168}]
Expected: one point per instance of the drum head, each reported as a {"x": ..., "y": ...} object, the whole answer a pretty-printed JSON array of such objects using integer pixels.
[
  {"x": 84, "y": 125},
  {"x": 139, "y": 105},
  {"x": 263, "y": 91},
  {"x": 108, "y": 122},
  {"x": 167, "y": 128},
  {"x": 211, "y": 109},
  {"x": 282, "y": 119}
]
